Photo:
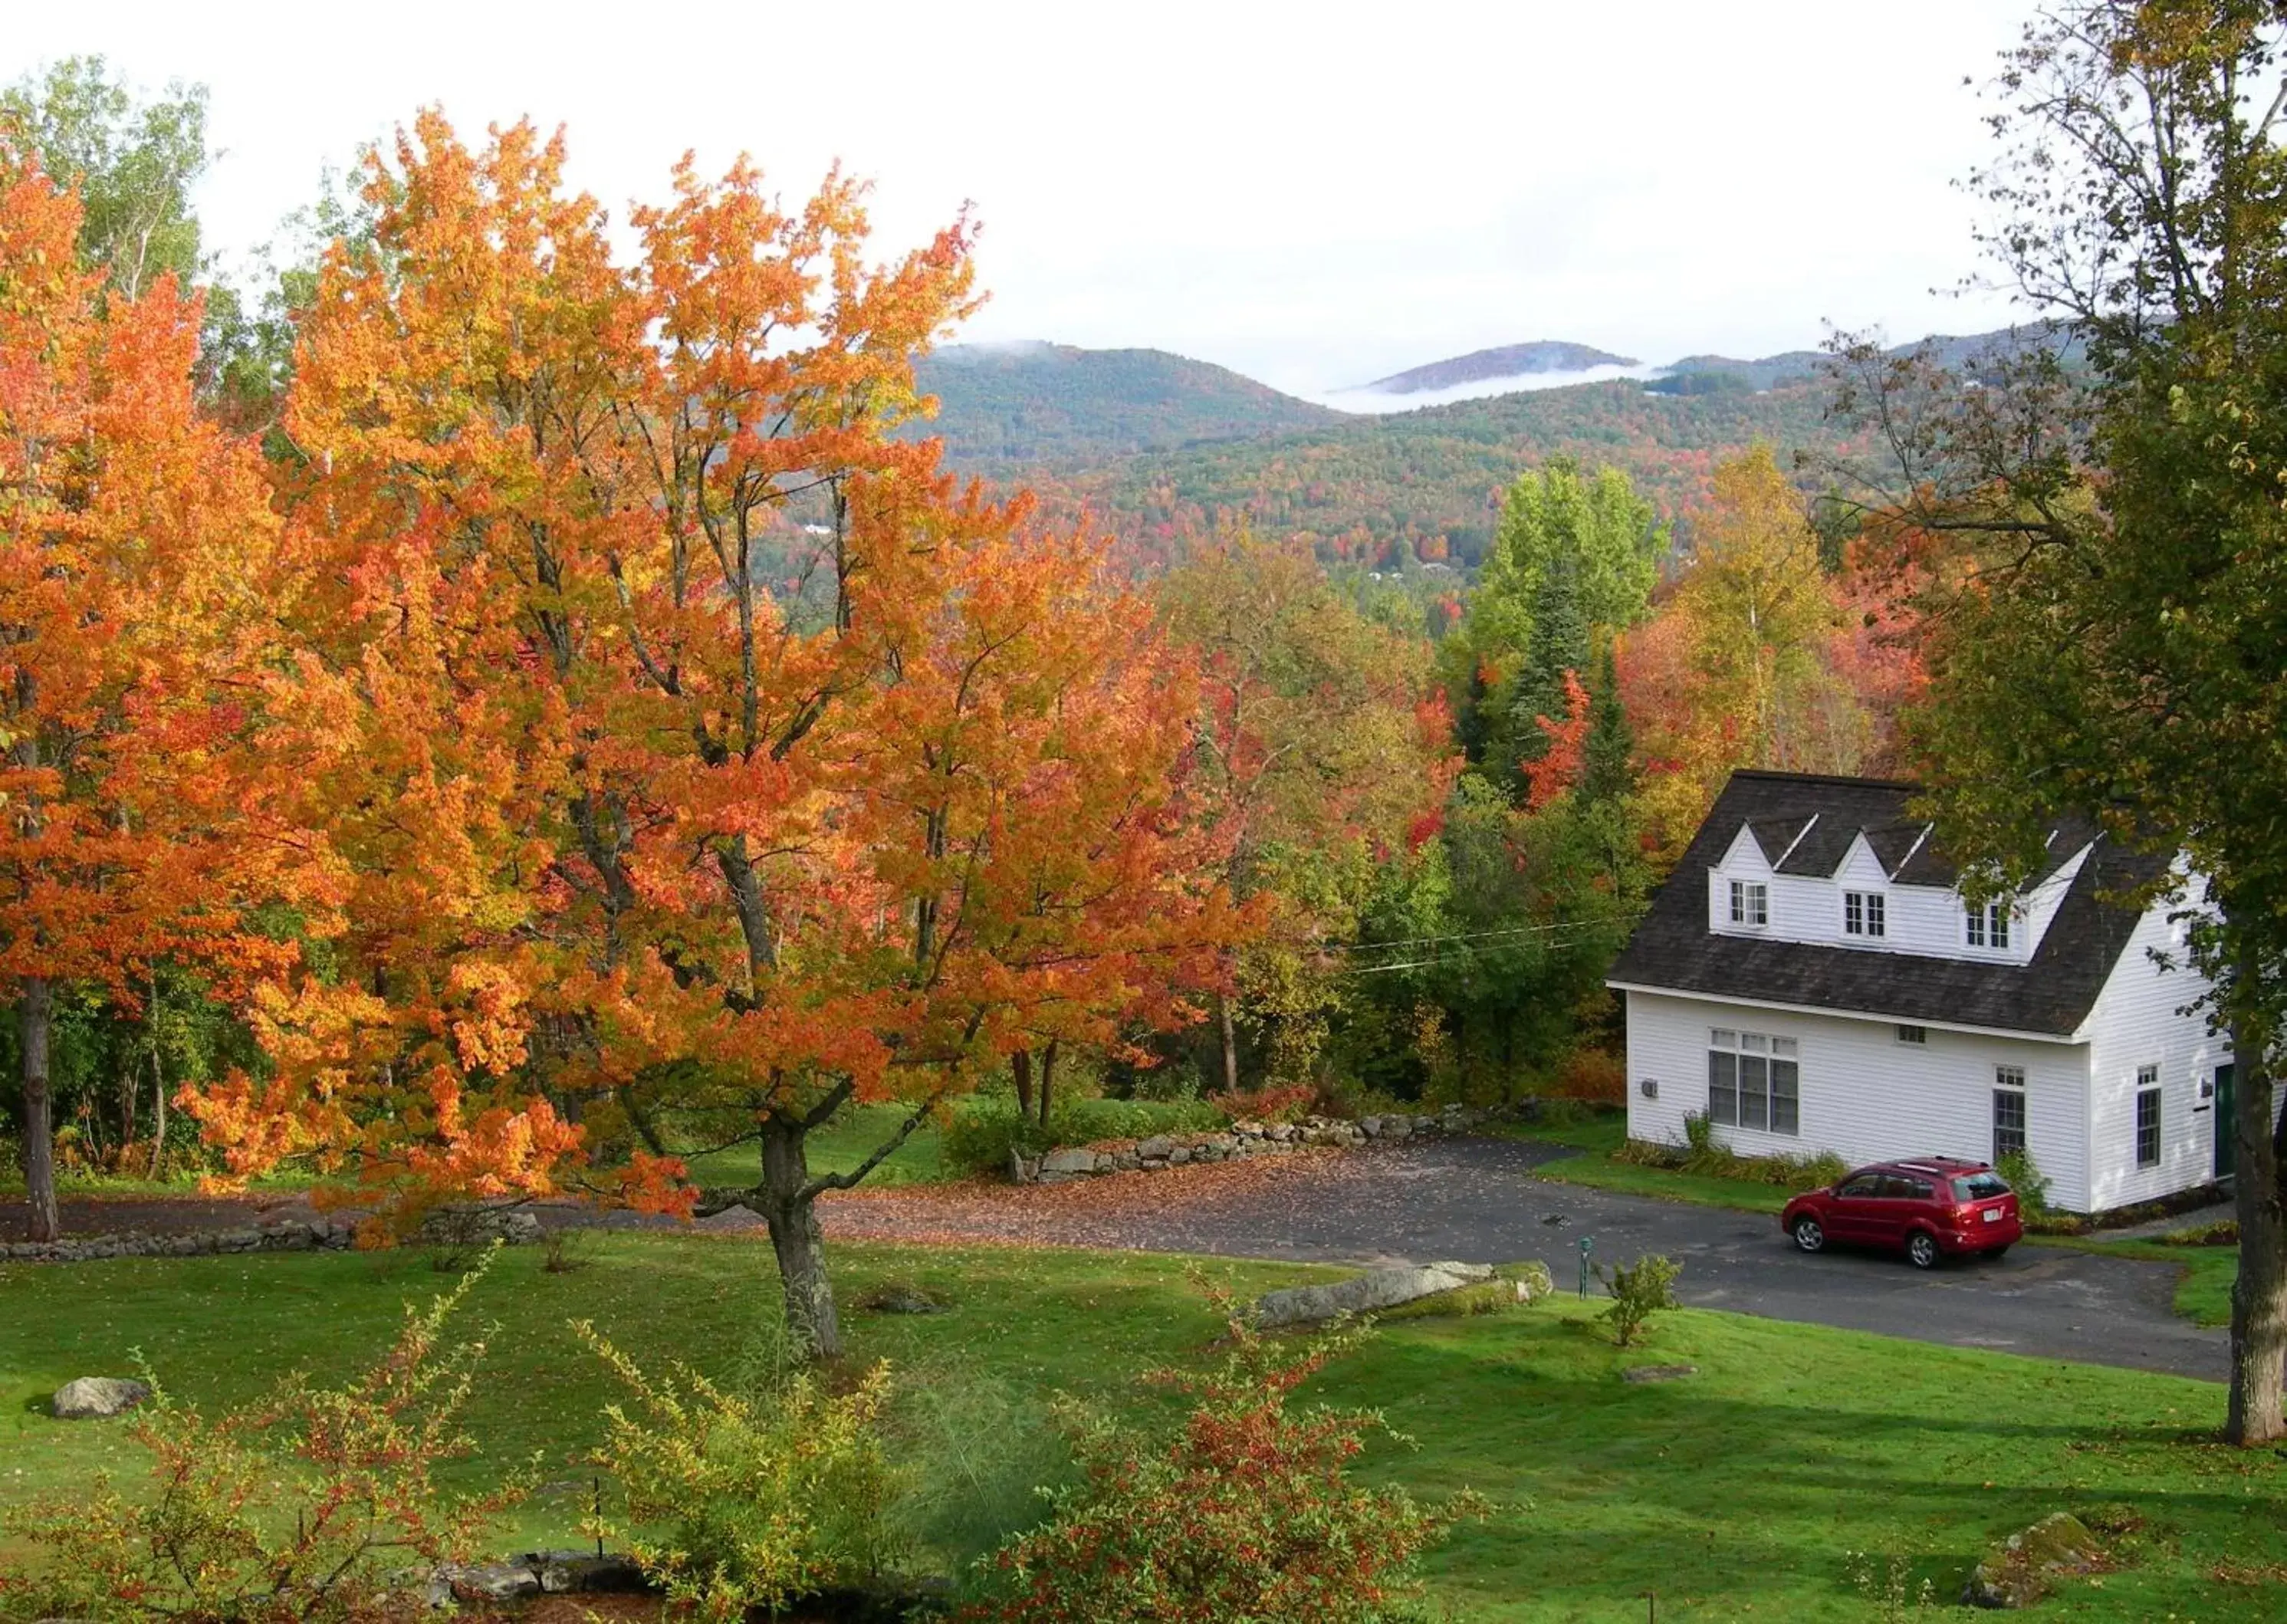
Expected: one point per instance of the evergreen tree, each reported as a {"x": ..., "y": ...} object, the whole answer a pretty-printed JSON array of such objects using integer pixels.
[
  {"x": 1613, "y": 542},
  {"x": 1559, "y": 644},
  {"x": 1607, "y": 774}
]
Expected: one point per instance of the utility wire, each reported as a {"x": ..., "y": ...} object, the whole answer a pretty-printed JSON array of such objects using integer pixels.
[{"x": 1475, "y": 943}]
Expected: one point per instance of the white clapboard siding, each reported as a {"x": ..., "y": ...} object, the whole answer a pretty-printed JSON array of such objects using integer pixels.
[
  {"x": 2138, "y": 1020},
  {"x": 1866, "y": 1097}
]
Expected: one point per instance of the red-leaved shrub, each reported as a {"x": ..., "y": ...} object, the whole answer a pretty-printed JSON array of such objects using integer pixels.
[
  {"x": 293, "y": 1511},
  {"x": 1247, "y": 1513},
  {"x": 1593, "y": 1074},
  {"x": 1277, "y": 1102}
]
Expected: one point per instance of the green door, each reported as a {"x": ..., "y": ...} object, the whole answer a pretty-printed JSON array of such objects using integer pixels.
[{"x": 2223, "y": 1136}]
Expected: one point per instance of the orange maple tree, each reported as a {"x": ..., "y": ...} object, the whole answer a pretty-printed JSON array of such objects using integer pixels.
[
  {"x": 129, "y": 531},
  {"x": 694, "y": 753},
  {"x": 1559, "y": 768}
]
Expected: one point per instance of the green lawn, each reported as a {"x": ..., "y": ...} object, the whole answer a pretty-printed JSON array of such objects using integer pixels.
[
  {"x": 1737, "y": 1494},
  {"x": 2203, "y": 1294},
  {"x": 851, "y": 1137},
  {"x": 1597, "y": 1137}
]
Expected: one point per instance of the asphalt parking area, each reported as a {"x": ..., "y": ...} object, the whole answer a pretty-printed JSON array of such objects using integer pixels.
[{"x": 1477, "y": 1201}]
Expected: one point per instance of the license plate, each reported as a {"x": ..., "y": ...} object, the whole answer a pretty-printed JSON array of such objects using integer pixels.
[{"x": 1992, "y": 1215}]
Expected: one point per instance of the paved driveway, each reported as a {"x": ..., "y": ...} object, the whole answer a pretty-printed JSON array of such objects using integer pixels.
[{"x": 1477, "y": 1200}]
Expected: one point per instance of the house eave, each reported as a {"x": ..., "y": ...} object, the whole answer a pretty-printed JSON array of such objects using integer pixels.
[{"x": 2065, "y": 1039}]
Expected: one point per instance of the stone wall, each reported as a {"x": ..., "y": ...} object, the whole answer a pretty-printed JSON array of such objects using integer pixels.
[
  {"x": 1237, "y": 1143},
  {"x": 315, "y": 1234}
]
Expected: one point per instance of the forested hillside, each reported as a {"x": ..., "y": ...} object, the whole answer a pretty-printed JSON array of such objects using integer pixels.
[
  {"x": 1162, "y": 448},
  {"x": 1008, "y": 409},
  {"x": 1430, "y": 482}
]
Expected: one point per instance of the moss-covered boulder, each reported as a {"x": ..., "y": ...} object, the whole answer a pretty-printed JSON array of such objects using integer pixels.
[{"x": 2017, "y": 1573}]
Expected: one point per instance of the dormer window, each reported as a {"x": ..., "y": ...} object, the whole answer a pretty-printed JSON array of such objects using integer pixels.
[
  {"x": 1864, "y": 913},
  {"x": 1750, "y": 902},
  {"x": 1988, "y": 923}
]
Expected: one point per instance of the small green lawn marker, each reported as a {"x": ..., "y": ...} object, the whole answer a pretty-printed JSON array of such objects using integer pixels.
[{"x": 1587, "y": 1241}]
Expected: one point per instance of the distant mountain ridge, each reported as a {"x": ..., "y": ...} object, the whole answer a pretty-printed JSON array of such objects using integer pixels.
[
  {"x": 1163, "y": 447},
  {"x": 1507, "y": 360},
  {"x": 1009, "y": 408}
]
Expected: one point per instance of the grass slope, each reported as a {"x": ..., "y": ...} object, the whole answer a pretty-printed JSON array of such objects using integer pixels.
[
  {"x": 1596, "y": 1140},
  {"x": 1737, "y": 1494}
]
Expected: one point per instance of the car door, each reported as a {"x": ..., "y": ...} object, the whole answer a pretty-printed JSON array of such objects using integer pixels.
[
  {"x": 1850, "y": 1212},
  {"x": 1903, "y": 1201}
]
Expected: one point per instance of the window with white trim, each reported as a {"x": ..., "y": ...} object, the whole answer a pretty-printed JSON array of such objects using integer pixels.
[
  {"x": 1750, "y": 902},
  {"x": 1864, "y": 913},
  {"x": 2148, "y": 1116},
  {"x": 1754, "y": 1080},
  {"x": 1912, "y": 1034},
  {"x": 1988, "y": 923},
  {"x": 2008, "y": 1111}
]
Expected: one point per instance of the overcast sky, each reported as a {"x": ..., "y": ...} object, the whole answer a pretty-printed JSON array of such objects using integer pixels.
[{"x": 1316, "y": 195}]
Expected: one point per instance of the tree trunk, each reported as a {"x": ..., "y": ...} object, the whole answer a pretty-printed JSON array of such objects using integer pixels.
[
  {"x": 2258, "y": 1299},
  {"x": 35, "y": 1015},
  {"x": 131, "y": 1089},
  {"x": 1229, "y": 1033},
  {"x": 1021, "y": 1064},
  {"x": 790, "y": 1207},
  {"x": 158, "y": 1113},
  {"x": 1047, "y": 1078}
]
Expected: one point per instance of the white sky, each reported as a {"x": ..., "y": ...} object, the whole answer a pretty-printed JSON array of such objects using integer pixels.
[{"x": 1317, "y": 194}]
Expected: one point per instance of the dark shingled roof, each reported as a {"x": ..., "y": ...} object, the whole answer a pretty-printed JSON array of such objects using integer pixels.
[
  {"x": 1775, "y": 836},
  {"x": 1672, "y": 949}
]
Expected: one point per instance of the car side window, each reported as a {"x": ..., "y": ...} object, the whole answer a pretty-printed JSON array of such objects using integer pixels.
[
  {"x": 1905, "y": 1189},
  {"x": 1860, "y": 1188}
]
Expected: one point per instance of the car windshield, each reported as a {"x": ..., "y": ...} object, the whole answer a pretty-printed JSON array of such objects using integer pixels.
[{"x": 1980, "y": 1187}]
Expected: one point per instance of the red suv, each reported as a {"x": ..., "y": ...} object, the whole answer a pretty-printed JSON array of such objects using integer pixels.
[{"x": 1927, "y": 1207}]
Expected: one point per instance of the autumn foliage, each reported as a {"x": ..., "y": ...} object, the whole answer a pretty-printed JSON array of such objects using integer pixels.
[
  {"x": 1249, "y": 1511},
  {"x": 681, "y": 739},
  {"x": 130, "y": 531}
]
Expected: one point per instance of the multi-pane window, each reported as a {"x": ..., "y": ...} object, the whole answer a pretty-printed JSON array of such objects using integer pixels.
[
  {"x": 1862, "y": 913},
  {"x": 2008, "y": 1111},
  {"x": 1988, "y": 923},
  {"x": 2148, "y": 1116},
  {"x": 1912, "y": 1034},
  {"x": 1750, "y": 902},
  {"x": 1754, "y": 1080}
]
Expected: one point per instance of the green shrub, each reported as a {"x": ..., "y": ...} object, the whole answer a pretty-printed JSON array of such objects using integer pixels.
[
  {"x": 1639, "y": 1291},
  {"x": 2222, "y": 1233},
  {"x": 1701, "y": 1154},
  {"x": 984, "y": 1130},
  {"x": 746, "y": 1499},
  {"x": 981, "y": 1450},
  {"x": 291, "y": 1510},
  {"x": 2025, "y": 1178},
  {"x": 1245, "y": 1511},
  {"x": 981, "y": 1134},
  {"x": 1559, "y": 1112}
]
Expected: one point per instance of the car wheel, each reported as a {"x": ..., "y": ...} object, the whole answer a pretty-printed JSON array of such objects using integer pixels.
[
  {"x": 1808, "y": 1234},
  {"x": 1921, "y": 1249}
]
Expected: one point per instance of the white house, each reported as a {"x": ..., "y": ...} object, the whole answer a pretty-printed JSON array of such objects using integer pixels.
[{"x": 1810, "y": 980}]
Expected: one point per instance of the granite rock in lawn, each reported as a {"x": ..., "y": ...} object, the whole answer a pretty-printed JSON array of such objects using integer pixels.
[
  {"x": 1364, "y": 1294},
  {"x": 97, "y": 1398},
  {"x": 2017, "y": 1573}
]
